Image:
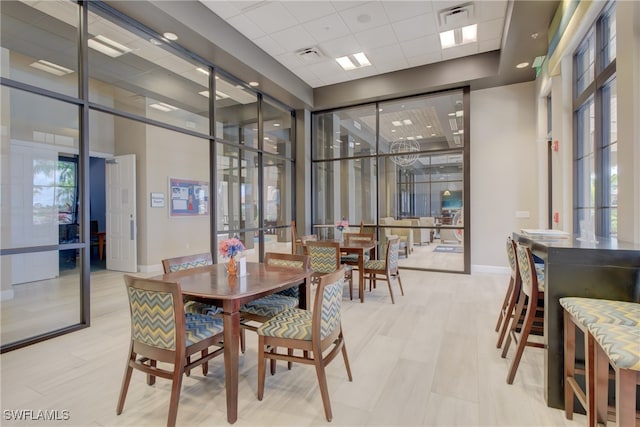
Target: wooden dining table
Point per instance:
(213, 285)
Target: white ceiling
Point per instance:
(394, 35)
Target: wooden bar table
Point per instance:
(605, 269)
(213, 285)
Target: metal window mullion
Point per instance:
(260, 224)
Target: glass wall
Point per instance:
(397, 166)
(150, 100)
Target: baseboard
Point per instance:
(493, 269)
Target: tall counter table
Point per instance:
(607, 269)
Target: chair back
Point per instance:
(393, 254)
(324, 255)
(513, 261)
(527, 271)
(308, 238)
(295, 241)
(180, 263)
(279, 260)
(358, 237)
(157, 318)
(325, 323)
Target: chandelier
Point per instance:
(406, 152)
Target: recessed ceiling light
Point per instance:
(107, 46)
(170, 36)
(429, 126)
(433, 134)
(447, 39)
(407, 122)
(155, 42)
(522, 65)
(254, 84)
(393, 130)
(452, 114)
(351, 62)
(204, 93)
(51, 68)
(459, 36)
(469, 33)
(203, 71)
(396, 123)
(276, 124)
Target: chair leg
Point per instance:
(601, 385)
(400, 283)
(390, 290)
(176, 384)
(125, 387)
(243, 344)
(508, 314)
(151, 379)
(626, 397)
(290, 353)
(569, 364)
(322, 382)
(505, 302)
(205, 365)
(272, 362)
(514, 324)
(261, 366)
(524, 337)
(345, 357)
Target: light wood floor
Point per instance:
(429, 360)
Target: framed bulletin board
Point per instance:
(188, 197)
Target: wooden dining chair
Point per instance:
(161, 331)
(325, 258)
(532, 293)
(263, 309)
(351, 258)
(512, 294)
(312, 332)
(295, 240)
(386, 268)
(188, 262)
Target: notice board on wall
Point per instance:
(188, 197)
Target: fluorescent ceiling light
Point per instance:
(459, 113)
(453, 124)
(419, 136)
(459, 36)
(351, 62)
(276, 124)
(203, 71)
(163, 107)
(522, 65)
(221, 95)
(204, 93)
(362, 59)
(411, 138)
(107, 46)
(469, 34)
(346, 63)
(447, 39)
(51, 68)
(396, 123)
(407, 122)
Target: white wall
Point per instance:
(504, 169)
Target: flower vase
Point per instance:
(232, 266)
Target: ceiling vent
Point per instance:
(309, 54)
(457, 16)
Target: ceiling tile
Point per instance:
(339, 47)
(400, 10)
(269, 45)
(420, 46)
(293, 38)
(385, 54)
(290, 60)
(427, 58)
(387, 67)
(327, 28)
(246, 27)
(271, 17)
(459, 51)
(368, 15)
(415, 27)
(491, 9)
(489, 45)
(489, 30)
(342, 5)
(224, 9)
(305, 11)
(376, 37)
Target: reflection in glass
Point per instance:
(278, 191)
(140, 75)
(236, 113)
(345, 133)
(277, 124)
(24, 29)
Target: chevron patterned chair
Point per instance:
(350, 258)
(512, 294)
(619, 346)
(533, 292)
(161, 331)
(387, 268)
(265, 308)
(581, 313)
(325, 258)
(312, 332)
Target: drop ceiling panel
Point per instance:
(377, 37)
(306, 11)
(415, 27)
(400, 10)
(293, 38)
(328, 27)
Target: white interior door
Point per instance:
(122, 247)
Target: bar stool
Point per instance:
(618, 346)
(511, 297)
(581, 313)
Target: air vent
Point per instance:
(309, 54)
(457, 16)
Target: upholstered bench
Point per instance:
(618, 346)
(582, 312)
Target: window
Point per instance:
(595, 121)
